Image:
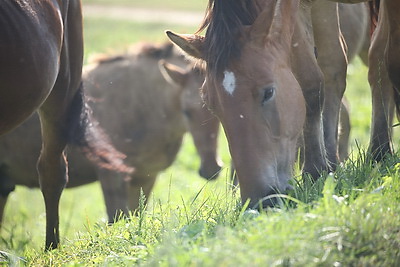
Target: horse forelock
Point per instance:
(224, 21)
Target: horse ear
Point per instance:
(259, 29)
(283, 22)
(192, 44)
(275, 21)
(173, 74)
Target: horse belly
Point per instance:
(29, 56)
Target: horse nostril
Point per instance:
(273, 199)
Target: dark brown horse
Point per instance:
(41, 51)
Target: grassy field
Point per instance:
(350, 218)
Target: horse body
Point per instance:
(34, 56)
(30, 54)
(148, 126)
(41, 55)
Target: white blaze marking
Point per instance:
(229, 82)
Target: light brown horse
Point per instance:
(41, 62)
(149, 123)
(20, 148)
(251, 55)
(202, 125)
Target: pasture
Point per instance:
(350, 218)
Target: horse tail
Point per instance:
(85, 132)
(373, 14)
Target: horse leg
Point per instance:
(311, 81)
(332, 61)
(7, 185)
(382, 109)
(52, 169)
(344, 132)
(382, 96)
(3, 202)
(115, 194)
(138, 185)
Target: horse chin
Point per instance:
(210, 173)
(272, 196)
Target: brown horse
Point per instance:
(258, 55)
(353, 21)
(149, 124)
(19, 149)
(250, 85)
(41, 62)
(202, 125)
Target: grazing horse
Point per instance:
(41, 63)
(154, 138)
(251, 87)
(149, 124)
(264, 83)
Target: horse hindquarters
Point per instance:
(29, 57)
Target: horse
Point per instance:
(151, 118)
(354, 27)
(177, 94)
(258, 86)
(41, 63)
(202, 125)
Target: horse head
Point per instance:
(251, 88)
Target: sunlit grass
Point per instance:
(116, 36)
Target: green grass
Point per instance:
(348, 219)
(113, 36)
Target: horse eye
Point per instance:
(268, 94)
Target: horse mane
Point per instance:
(224, 21)
(159, 51)
(374, 14)
(144, 49)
